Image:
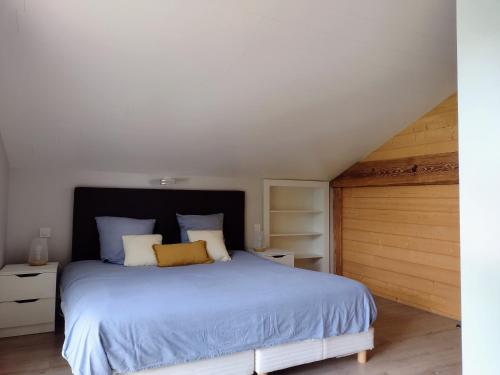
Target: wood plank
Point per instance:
(451, 263)
(417, 170)
(431, 121)
(442, 134)
(437, 118)
(447, 109)
(409, 217)
(411, 282)
(433, 133)
(414, 151)
(337, 229)
(401, 294)
(449, 104)
(411, 230)
(410, 297)
(428, 122)
(450, 205)
(424, 272)
(421, 191)
(426, 245)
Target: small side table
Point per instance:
(285, 257)
(27, 299)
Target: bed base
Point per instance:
(362, 358)
(242, 363)
(298, 353)
(274, 358)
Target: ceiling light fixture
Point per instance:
(167, 181)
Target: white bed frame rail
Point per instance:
(274, 358)
(298, 353)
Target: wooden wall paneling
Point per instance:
(444, 205)
(399, 216)
(410, 297)
(405, 252)
(337, 229)
(439, 233)
(397, 279)
(445, 262)
(422, 191)
(433, 133)
(424, 245)
(422, 271)
(407, 217)
(425, 149)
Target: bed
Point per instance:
(246, 315)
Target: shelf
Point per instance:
(304, 234)
(296, 218)
(296, 211)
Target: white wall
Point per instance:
(4, 185)
(478, 26)
(44, 198)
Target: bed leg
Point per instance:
(362, 356)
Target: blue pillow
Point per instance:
(199, 222)
(111, 229)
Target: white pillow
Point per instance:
(139, 249)
(215, 243)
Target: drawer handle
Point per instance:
(278, 256)
(28, 275)
(27, 300)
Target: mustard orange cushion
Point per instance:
(182, 254)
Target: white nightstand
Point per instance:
(27, 299)
(276, 255)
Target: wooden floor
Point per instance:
(407, 342)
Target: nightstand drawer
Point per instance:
(286, 259)
(27, 286)
(27, 312)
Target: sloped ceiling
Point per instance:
(270, 88)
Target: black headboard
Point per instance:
(158, 204)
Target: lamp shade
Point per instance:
(39, 252)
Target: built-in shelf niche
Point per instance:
(296, 218)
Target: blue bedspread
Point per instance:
(126, 319)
